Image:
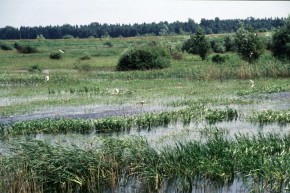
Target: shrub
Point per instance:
(55, 55)
(230, 44)
(25, 49)
(144, 59)
(281, 42)
(34, 68)
(5, 46)
(108, 43)
(217, 46)
(17, 45)
(218, 58)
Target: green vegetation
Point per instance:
(197, 44)
(281, 41)
(218, 58)
(55, 55)
(199, 121)
(249, 44)
(36, 166)
(143, 59)
(5, 46)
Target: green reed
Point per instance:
(270, 116)
(261, 161)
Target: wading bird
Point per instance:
(61, 51)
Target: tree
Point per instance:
(281, 41)
(249, 44)
(197, 44)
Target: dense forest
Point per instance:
(98, 30)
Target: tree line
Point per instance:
(97, 30)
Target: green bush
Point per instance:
(25, 49)
(55, 55)
(34, 68)
(108, 43)
(5, 46)
(217, 46)
(281, 42)
(144, 59)
(218, 58)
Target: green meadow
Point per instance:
(196, 126)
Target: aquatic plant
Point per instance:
(260, 161)
(270, 116)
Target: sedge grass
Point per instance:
(147, 121)
(260, 161)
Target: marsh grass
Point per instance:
(261, 162)
(147, 121)
(270, 116)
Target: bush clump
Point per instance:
(109, 44)
(55, 55)
(34, 68)
(218, 58)
(144, 59)
(281, 41)
(5, 46)
(25, 49)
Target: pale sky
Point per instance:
(18, 13)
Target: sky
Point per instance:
(18, 13)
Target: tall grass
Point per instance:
(260, 161)
(146, 121)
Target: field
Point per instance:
(196, 126)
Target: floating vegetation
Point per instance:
(260, 162)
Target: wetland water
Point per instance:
(159, 137)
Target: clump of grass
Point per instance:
(260, 161)
(34, 68)
(83, 67)
(218, 115)
(146, 121)
(85, 56)
(270, 116)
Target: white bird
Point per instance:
(61, 51)
(252, 83)
(116, 91)
(47, 78)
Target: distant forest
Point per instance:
(98, 30)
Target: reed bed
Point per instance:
(270, 116)
(261, 162)
(196, 112)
